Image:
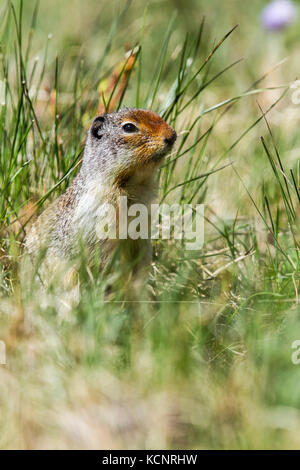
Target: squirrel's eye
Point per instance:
(130, 128)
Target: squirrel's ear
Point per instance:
(97, 126)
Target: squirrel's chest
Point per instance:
(89, 211)
(99, 207)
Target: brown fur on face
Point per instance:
(153, 139)
(113, 152)
(145, 148)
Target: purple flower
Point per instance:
(278, 14)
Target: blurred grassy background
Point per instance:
(208, 363)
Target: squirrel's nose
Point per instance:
(171, 139)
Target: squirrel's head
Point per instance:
(124, 142)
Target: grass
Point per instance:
(207, 362)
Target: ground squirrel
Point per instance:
(122, 151)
